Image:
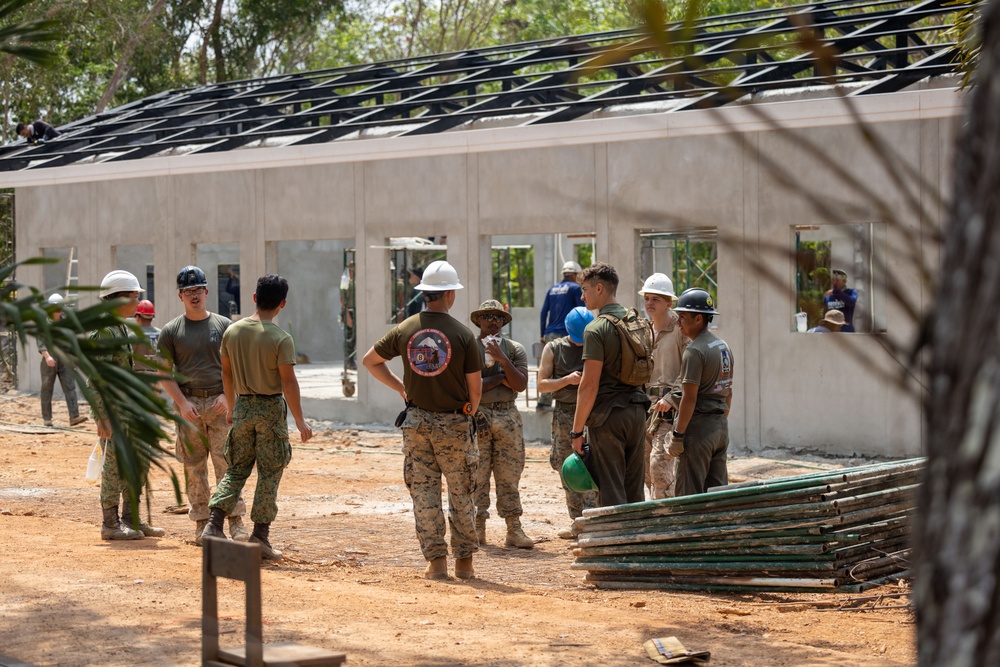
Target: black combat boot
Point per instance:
(260, 536)
(214, 526)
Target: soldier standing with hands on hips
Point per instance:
(442, 387)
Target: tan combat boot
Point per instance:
(437, 568)
(516, 536)
(481, 530)
(237, 532)
(199, 528)
(463, 568)
(113, 529)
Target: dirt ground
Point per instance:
(351, 579)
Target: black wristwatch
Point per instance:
(573, 435)
(678, 436)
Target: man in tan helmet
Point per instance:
(442, 384)
(500, 430)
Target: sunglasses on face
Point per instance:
(493, 318)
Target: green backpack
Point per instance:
(636, 336)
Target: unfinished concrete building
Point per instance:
(510, 160)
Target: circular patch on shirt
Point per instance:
(428, 352)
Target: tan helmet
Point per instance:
(119, 281)
(658, 283)
(439, 276)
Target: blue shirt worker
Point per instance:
(841, 297)
(258, 375)
(561, 298)
(442, 385)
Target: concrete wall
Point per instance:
(612, 178)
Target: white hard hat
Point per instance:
(658, 283)
(56, 298)
(439, 276)
(571, 267)
(119, 281)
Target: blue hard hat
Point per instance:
(576, 322)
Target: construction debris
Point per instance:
(845, 530)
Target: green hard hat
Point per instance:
(575, 475)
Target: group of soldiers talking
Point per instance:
(234, 384)
(461, 421)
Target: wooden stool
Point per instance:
(241, 561)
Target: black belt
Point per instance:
(500, 405)
(201, 393)
(657, 392)
(563, 405)
(258, 395)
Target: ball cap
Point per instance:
(490, 307)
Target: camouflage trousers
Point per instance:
(661, 467)
(196, 442)
(501, 455)
(562, 447)
(259, 436)
(436, 444)
(114, 490)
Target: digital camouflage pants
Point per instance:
(204, 438)
(501, 455)
(436, 444)
(114, 490)
(259, 437)
(562, 447)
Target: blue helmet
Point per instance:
(576, 322)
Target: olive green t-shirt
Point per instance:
(438, 351)
(566, 359)
(518, 356)
(255, 349)
(601, 343)
(708, 363)
(191, 348)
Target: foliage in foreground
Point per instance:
(131, 399)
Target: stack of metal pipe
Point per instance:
(840, 530)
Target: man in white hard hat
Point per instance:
(668, 345)
(118, 285)
(560, 300)
(191, 346)
(442, 387)
(53, 367)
